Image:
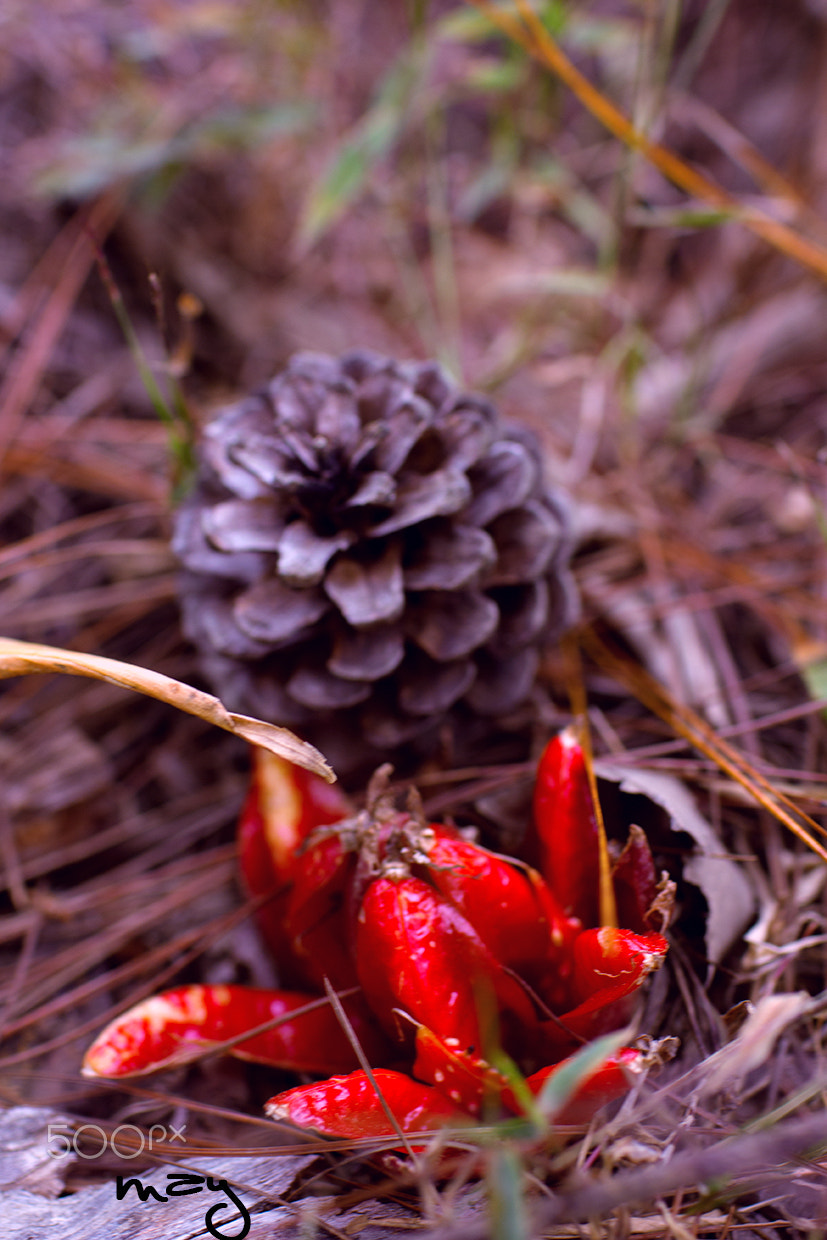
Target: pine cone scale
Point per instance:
(304, 555)
(419, 498)
(370, 653)
(449, 625)
(525, 539)
(430, 690)
(271, 612)
(450, 557)
(368, 593)
(320, 690)
(243, 525)
(504, 479)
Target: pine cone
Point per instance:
(369, 551)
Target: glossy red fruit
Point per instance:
(284, 805)
(615, 960)
(566, 827)
(609, 965)
(261, 879)
(635, 882)
(291, 802)
(471, 1083)
(610, 1081)
(508, 904)
(348, 1106)
(316, 918)
(415, 951)
(466, 1080)
(183, 1024)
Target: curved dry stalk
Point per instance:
(23, 658)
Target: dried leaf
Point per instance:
(23, 658)
(755, 1040)
(52, 769)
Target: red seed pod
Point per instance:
(616, 960)
(259, 877)
(181, 1025)
(566, 826)
(466, 1080)
(317, 916)
(284, 804)
(508, 904)
(348, 1106)
(291, 803)
(609, 966)
(635, 882)
(482, 1091)
(611, 1080)
(415, 951)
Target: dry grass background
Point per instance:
(264, 177)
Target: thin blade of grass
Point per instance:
(371, 139)
(563, 1084)
(505, 1194)
(350, 1034)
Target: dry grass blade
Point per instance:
(23, 658)
(24, 374)
(538, 43)
(697, 732)
(350, 1033)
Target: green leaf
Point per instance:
(374, 135)
(680, 217)
(563, 1084)
(811, 658)
(505, 1195)
(507, 1067)
(91, 163)
(815, 678)
(493, 77)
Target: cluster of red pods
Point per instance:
(468, 978)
